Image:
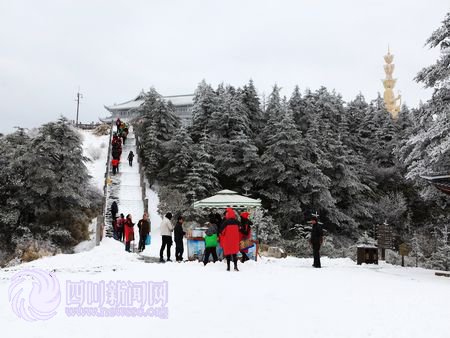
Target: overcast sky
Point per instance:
(113, 49)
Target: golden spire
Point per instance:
(390, 101)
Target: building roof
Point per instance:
(227, 199)
(177, 100)
(180, 100)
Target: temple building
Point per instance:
(129, 109)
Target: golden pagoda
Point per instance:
(390, 101)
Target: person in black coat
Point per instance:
(114, 210)
(179, 234)
(130, 158)
(316, 240)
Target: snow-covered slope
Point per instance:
(268, 298)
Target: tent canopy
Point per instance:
(228, 199)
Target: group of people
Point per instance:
(122, 130)
(233, 234)
(118, 137)
(123, 228)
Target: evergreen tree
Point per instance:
(152, 151)
(180, 158)
(296, 106)
(441, 258)
(201, 180)
(355, 112)
(287, 180)
(205, 104)
(428, 148)
(268, 231)
(230, 118)
(249, 98)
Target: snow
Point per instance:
(95, 148)
(268, 298)
(95, 145)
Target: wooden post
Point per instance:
(99, 227)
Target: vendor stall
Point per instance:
(222, 200)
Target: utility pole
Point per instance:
(79, 96)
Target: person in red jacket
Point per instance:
(129, 232)
(115, 165)
(229, 238)
(120, 224)
(245, 232)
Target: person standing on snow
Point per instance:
(211, 240)
(229, 238)
(144, 230)
(120, 224)
(130, 158)
(179, 234)
(129, 232)
(245, 232)
(316, 240)
(166, 234)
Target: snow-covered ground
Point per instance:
(95, 148)
(268, 298)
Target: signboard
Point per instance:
(404, 249)
(385, 236)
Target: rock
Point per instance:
(276, 252)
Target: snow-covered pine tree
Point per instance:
(297, 106)
(268, 231)
(167, 122)
(441, 258)
(201, 180)
(237, 161)
(286, 179)
(152, 151)
(58, 191)
(14, 149)
(428, 148)
(274, 112)
(252, 104)
(355, 112)
(230, 117)
(416, 250)
(205, 104)
(180, 157)
(150, 100)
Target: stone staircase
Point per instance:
(125, 188)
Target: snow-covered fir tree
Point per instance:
(205, 104)
(180, 158)
(441, 258)
(201, 180)
(267, 229)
